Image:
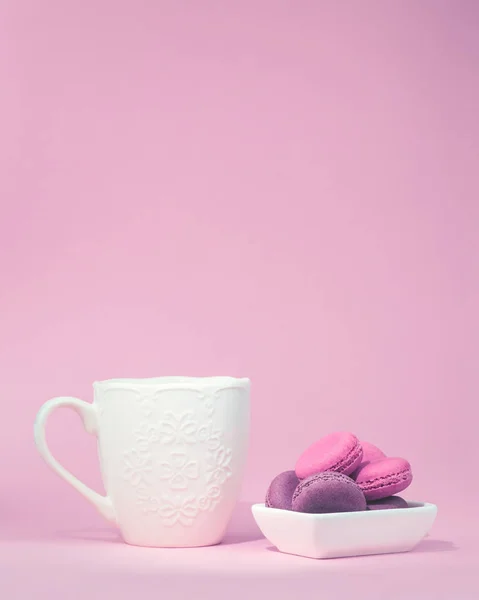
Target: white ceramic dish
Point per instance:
(345, 534)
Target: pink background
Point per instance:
(277, 189)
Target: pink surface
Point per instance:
(60, 560)
(281, 190)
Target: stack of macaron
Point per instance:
(338, 473)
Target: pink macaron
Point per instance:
(371, 453)
(384, 477)
(340, 452)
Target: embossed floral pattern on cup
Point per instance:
(178, 470)
(212, 437)
(210, 500)
(175, 509)
(218, 468)
(147, 403)
(179, 429)
(208, 402)
(137, 467)
(149, 504)
(179, 432)
(146, 434)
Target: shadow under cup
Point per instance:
(172, 454)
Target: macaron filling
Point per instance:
(350, 459)
(385, 481)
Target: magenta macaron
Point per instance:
(340, 452)
(371, 453)
(384, 478)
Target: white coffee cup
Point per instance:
(172, 453)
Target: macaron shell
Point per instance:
(340, 452)
(392, 502)
(385, 477)
(328, 493)
(371, 453)
(281, 489)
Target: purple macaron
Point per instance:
(281, 489)
(392, 502)
(328, 492)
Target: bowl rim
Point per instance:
(414, 508)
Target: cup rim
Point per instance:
(175, 381)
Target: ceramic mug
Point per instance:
(172, 453)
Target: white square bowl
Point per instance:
(337, 535)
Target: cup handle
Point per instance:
(89, 416)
